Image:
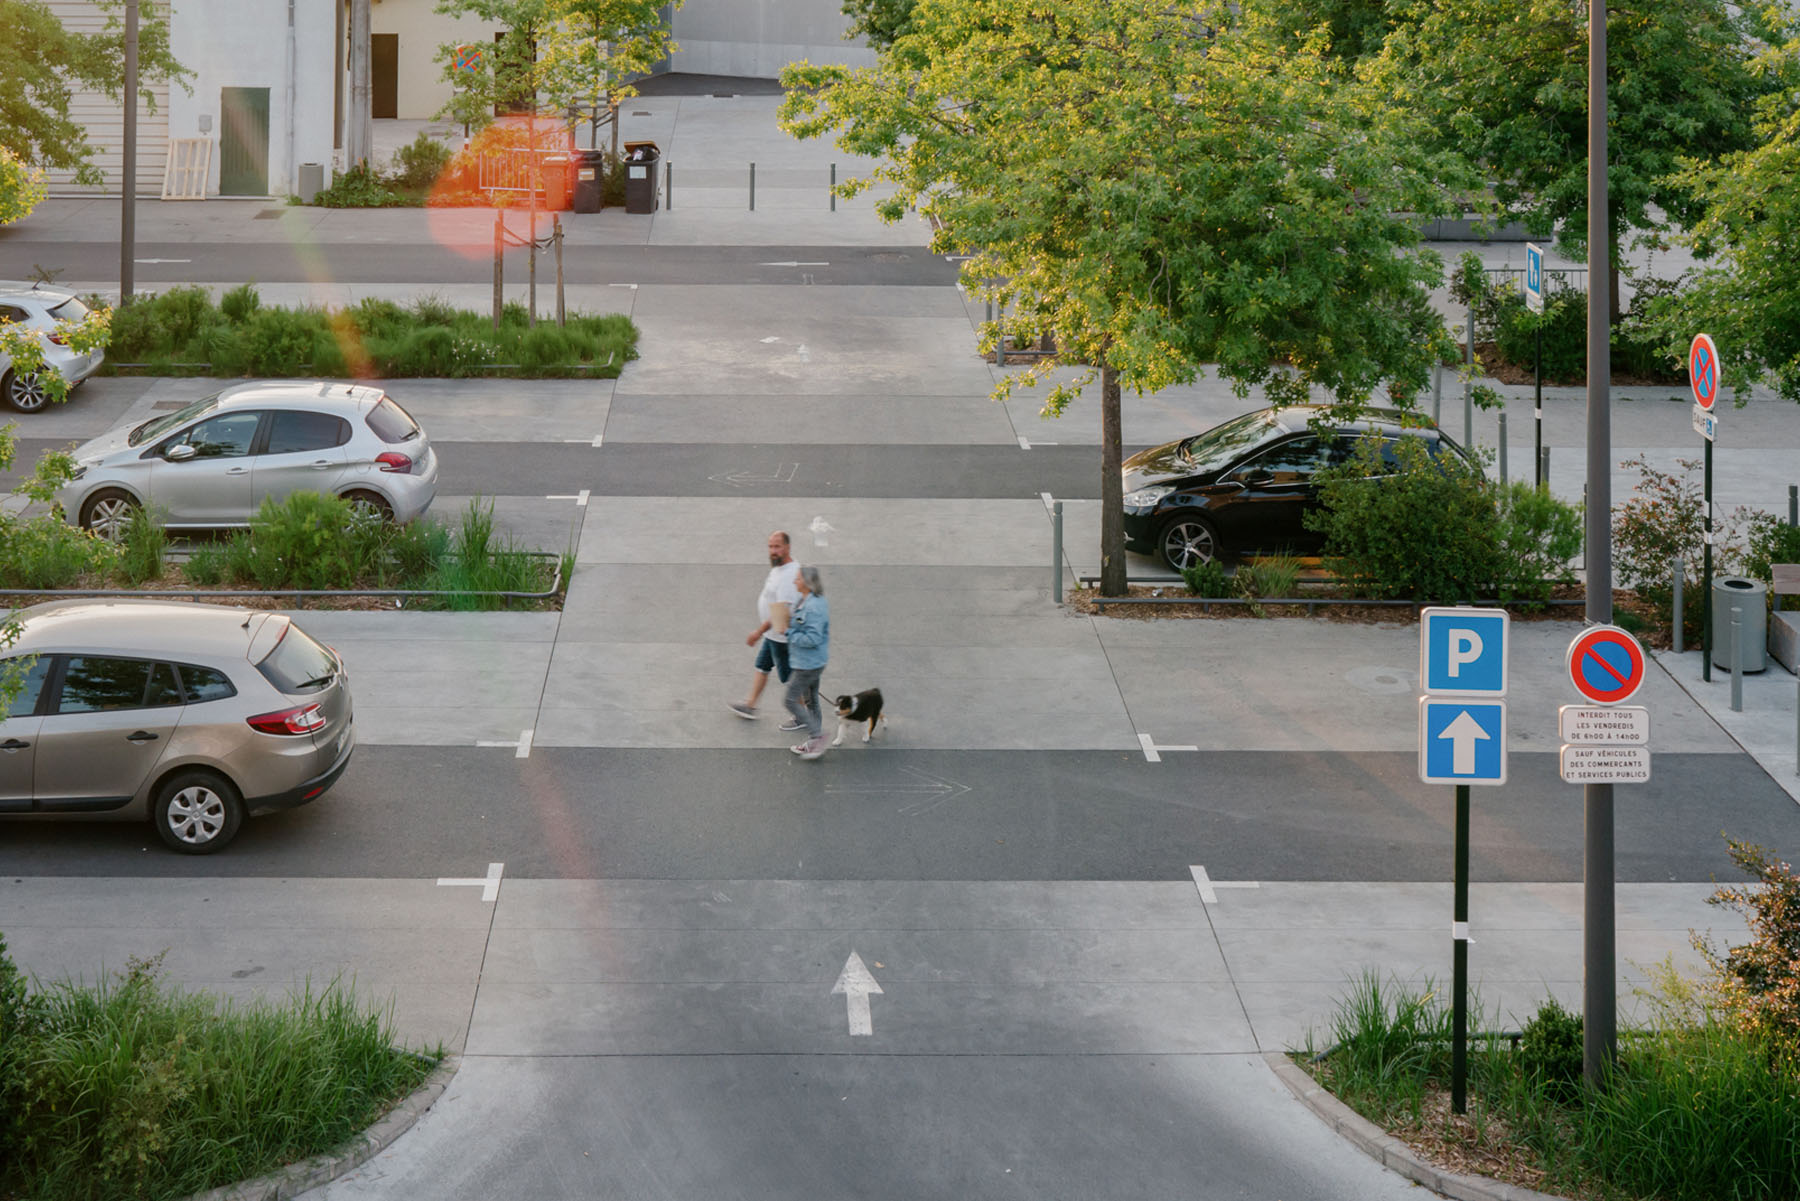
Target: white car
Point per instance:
(212, 464)
(40, 308)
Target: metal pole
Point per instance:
(1000, 342)
(1469, 382)
(834, 187)
(1793, 504)
(1056, 558)
(1706, 632)
(668, 186)
(1537, 381)
(531, 267)
(1437, 393)
(128, 161)
(556, 233)
(753, 187)
(1599, 1027)
(1502, 448)
(1544, 465)
(1680, 614)
(1459, 942)
(1737, 656)
(1797, 728)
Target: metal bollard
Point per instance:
(1544, 466)
(668, 186)
(1737, 658)
(1056, 551)
(1503, 449)
(834, 187)
(1794, 504)
(753, 187)
(1797, 727)
(1680, 616)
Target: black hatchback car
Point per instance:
(1247, 485)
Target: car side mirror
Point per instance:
(1258, 479)
(181, 452)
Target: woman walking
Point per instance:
(809, 646)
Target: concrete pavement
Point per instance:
(660, 1037)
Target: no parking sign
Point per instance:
(1606, 665)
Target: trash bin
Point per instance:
(1752, 599)
(559, 176)
(590, 180)
(312, 181)
(640, 176)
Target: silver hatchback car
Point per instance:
(40, 308)
(212, 464)
(194, 716)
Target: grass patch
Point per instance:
(130, 1088)
(182, 329)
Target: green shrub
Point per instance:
(360, 187)
(278, 342)
(1564, 326)
(1426, 530)
(1665, 517)
(44, 552)
(432, 309)
(1207, 579)
(163, 326)
(206, 566)
(1538, 539)
(142, 550)
(1769, 541)
(1550, 1051)
(328, 359)
(428, 351)
(239, 303)
(1759, 981)
(419, 163)
(377, 318)
(21, 1018)
(310, 540)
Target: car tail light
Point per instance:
(302, 719)
(58, 339)
(393, 460)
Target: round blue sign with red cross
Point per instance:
(1703, 371)
(1606, 665)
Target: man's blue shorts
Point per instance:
(773, 655)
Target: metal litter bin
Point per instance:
(1752, 598)
(640, 176)
(590, 180)
(311, 182)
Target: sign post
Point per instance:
(1534, 300)
(1462, 654)
(1703, 376)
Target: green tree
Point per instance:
(1504, 82)
(1750, 301)
(879, 22)
(21, 188)
(1154, 193)
(46, 63)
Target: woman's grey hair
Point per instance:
(814, 584)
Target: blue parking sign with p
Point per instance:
(1462, 651)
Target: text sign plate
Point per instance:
(1606, 764)
(1591, 725)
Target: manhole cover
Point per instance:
(267, 215)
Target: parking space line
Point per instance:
(489, 884)
(1152, 750)
(521, 746)
(580, 498)
(1206, 885)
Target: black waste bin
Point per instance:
(590, 179)
(640, 176)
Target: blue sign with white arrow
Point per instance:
(1462, 742)
(1534, 278)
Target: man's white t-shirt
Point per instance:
(780, 586)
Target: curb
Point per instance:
(1387, 1150)
(289, 1181)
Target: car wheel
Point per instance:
(197, 812)
(369, 506)
(24, 392)
(1188, 542)
(109, 513)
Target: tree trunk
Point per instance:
(1112, 503)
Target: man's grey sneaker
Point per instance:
(747, 712)
(790, 725)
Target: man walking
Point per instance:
(779, 595)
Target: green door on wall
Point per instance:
(243, 141)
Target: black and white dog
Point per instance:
(863, 707)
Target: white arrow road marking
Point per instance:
(489, 884)
(783, 474)
(1463, 734)
(1151, 749)
(1206, 885)
(932, 790)
(522, 748)
(580, 498)
(855, 983)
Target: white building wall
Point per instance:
(757, 38)
(244, 43)
(422, 91)
(104, 119)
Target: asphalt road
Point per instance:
(425, 263)
(887, 813)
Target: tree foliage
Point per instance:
(1153, 189)
(1505, 83)
(879, 22)
(21, 188)
(45, 64)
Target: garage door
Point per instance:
(105, 120)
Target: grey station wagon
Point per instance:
(193, 716)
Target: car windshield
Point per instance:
(1218, 446)
(70, 310)
(157, 425)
